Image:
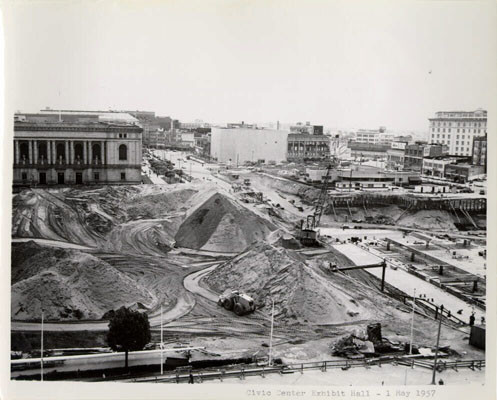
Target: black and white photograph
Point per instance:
(248, 199)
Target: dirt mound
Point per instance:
(68, 284)
(300, 292)
(392, 215)
(220, 224)
(428, 219)
(158, 205)
(284, 239)
(137, 219)
(307, 193)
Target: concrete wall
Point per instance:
(244, 144)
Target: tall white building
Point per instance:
(457, 129)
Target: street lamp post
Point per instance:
(161, 343)
(436, 351)
(41, 355)
(271, 336)
(412, 321)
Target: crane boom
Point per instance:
(313, 220)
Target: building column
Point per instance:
(108, 155)
(16, 151)
(85, 159)
(102, 152)
(35, 152)
(72, 152)
(90, 153)
(49, 152)
(30, 152)
(66, 158)
(54, 152)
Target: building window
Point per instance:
(24, 176)
(96, 176)
(438, 129)
(464, 130)
(457, 142)
(462, 136)
(123, 176)
(123, 152)
(457, 148)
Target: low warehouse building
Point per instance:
(240, 145)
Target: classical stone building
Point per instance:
(76, 148)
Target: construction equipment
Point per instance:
(308, 234)
(239, 303)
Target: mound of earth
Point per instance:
(68, 284)
(429, 219)
(148, 206)
(132, 219)
(284, 239)
(220, 224)
(300, 292)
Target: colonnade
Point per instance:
(53, 155)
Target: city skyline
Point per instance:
(344, 65)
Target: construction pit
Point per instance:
(81, 253)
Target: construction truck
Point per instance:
(239, 303)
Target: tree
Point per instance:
(128, 331)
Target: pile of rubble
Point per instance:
(368, 344)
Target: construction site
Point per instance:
(251, 274)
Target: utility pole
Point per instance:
(350, 183)
(436, 351)
(271, 337)
(161, 343)
(412, 321)
(41, 355)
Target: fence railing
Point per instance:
(181, 376)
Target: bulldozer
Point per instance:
(239, 303)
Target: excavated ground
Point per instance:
(132, 232)
(76, 285)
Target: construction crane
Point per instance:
(308, 233)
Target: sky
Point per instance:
(344, 64)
